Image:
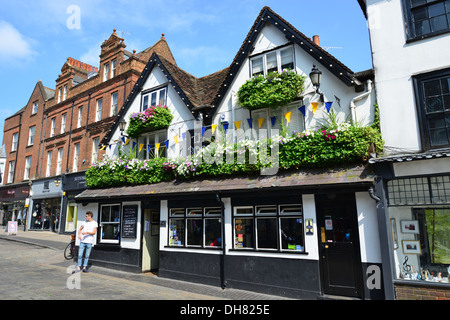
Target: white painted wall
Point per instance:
(395, 62)
(368, 228)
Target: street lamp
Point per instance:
(316, 77)
(122, 125)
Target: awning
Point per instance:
(291, 180)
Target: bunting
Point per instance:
(167, 144)
(302, 109)
(134, 144)
(103, 148)
(149, 148)
(176, 139)
(157, 146)
(273, 119)
(260, 122)
(287, 115)
(250, 122)
(237, 125)
(213, 127)
(225, 126)
(127, 142)
(314, 106)
(328, 106)
(141, 146)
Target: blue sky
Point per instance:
(36, 37)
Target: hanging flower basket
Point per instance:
(275, 90)
(152, 119)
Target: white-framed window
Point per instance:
(31, 133)
(76, 154)
(154, 98)
(35, 107)
(110, 223)
(52, 127)
(12, 166)
(276, 60)
(65, 92)
(106, 72)
(80, 117)
(114, 100)
(113, 68)
(60, 159)
(199, 227)
(26, 175)
(269, 227)
(98, 112)
(15, 140)
(59, 94)
(49, 163)
(153, 145)
(63, 122)
(95, 143)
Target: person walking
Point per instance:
(86, 235)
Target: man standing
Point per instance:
(86, 235)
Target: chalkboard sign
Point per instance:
(129, 221)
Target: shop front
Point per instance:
(14, 203)
(417, 195)
(45, 205)
(73, 184)
(302, 235)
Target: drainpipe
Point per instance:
(360, 97)
(224, 250)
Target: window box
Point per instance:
(151, 119)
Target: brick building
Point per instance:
(55, 138)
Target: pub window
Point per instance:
(269, 227)
(427, 17)
(277, 60)
(195, 227)
(433, 101)
(110, 223)
(154, 98)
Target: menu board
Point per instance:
(129, 221)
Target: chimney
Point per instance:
(316, 40)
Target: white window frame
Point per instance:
(114, 103)
(98, 109)
(63, 122)
(65, 92)
(113, 68)
(35, 107)
(80, 117)
(15, 140)
(11, 168)
(59, 94)
(102, 223)
(153, 98)
(26, 175)
(95, 149)
(60, 159)
(155, 137)
(31, 134)
(49, 163)
(106, 71)
(265, 64)
(52, 127)
(76, 154)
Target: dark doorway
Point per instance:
(340, 260)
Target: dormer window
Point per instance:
(276, 60)
(35, 107)
(154, 98)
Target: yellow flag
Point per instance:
(127, 142)
(287, 115)
(314, 106)
(157, 146)
(103, 148)
(140, 147)
(237, 124)
(260, 122)
(213, 127)
(176, 139)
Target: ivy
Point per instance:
(275, 90)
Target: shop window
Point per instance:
(269, 227)
(110, 223)
(195, 227)
(422, 243)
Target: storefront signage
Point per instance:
(309, 227)
(12, 227)
(129, 225)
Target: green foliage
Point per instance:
(275, 90)
(151, 119)
(336, 144)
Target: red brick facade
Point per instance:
(79, 86)
(421, 292)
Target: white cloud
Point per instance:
(14, 47)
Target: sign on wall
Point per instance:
(129, 224)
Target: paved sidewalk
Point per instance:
(58, 242)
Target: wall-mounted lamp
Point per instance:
(122, 125)
(316, 77)
(57, 182)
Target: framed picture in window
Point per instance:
(411, 247)
(409, 226)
